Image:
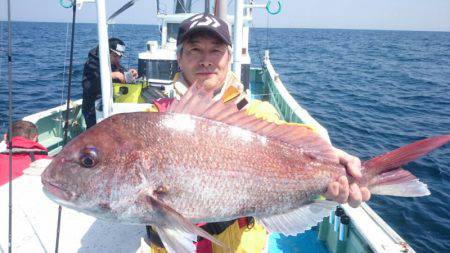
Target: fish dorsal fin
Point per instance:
(200, 102)
(298, 220)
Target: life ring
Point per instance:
(273, 12)
(66, 4)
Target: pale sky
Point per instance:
(419, 15)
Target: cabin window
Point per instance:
(158, 69)
(172, 32)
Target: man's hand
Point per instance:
(340, 191)
(134, 73)
(119, 76)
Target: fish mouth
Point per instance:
(57, 191)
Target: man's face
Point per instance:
(114, 58)
(204, 60)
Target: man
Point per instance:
(204, 58)
(25, 150)
(91, 77)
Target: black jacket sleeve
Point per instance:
(91, 77)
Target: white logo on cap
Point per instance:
(120, 48)
(198, 16)
(210, 21)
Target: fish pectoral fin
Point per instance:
(176, 240)
(298, 220)
(178, 233)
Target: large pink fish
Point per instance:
(207, 161)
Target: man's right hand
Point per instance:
(118, 76)
(134, 73)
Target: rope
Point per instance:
(269, 11)
(66, 123)
(10, 112)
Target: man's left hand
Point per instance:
(340, 191)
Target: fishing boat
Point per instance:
(35, 217)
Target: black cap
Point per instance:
(207, 22)
(117, 46)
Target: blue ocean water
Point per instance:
(373, 90)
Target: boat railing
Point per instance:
(375, 231)
(283, 101)
(50, 125)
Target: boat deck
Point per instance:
(35, 219)
(306, 242)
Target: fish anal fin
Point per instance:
(298, 220)
(177, 232)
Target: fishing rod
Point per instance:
(10, 112)
(207, 8)
(66, 122)
(120, 10)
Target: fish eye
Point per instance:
(88, 157)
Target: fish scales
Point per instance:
(212, 171)
(238, 161)
(209, 171)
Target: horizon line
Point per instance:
(259, 27)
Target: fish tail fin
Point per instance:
(386, 177)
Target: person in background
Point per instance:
(204, 57)
(91, 77)
(25, 149)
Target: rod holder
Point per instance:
(337, 219)
(343, 228)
